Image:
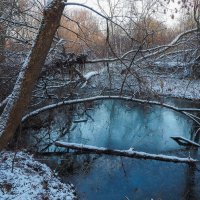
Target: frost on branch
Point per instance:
(126, 153)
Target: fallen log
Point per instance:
(184, 141)
(125, 153)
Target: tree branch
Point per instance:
(124, 98)
(125, 153)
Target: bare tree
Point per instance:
(18, 102)
(134, 68)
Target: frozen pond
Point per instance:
(121, 125)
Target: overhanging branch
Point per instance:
(124, 98)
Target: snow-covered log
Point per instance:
(95, 98)
(131, 153)
(29, 73)
(172, 44)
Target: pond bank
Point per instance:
(22, 177)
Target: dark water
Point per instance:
(122, 178)
(121, 125)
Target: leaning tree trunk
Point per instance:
(20, 97)
(2, 42)
(2, 33)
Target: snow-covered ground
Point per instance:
(23, 178)
(171, 85)
(181, 88)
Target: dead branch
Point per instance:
(155, 51)
(124, 98)
(125, 153)
(184, 141)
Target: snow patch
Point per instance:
(21, 177)
(90, 74)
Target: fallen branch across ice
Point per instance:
(125, 153)
(124, 98)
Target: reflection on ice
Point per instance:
(114, 125)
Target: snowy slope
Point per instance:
(21, 177)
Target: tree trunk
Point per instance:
(29, 73)
(2, 42)
(2, 34)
